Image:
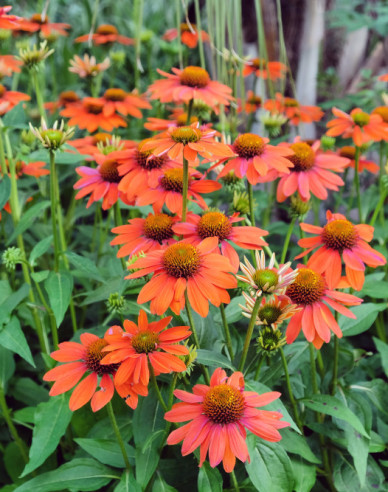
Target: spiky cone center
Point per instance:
(259, 63)
(265, 279)
(172, 180)
(38, 18)
(269, 314)
(303, 158)
(115, 95)
(181, 260)
(93, 356)
(186, 28)
(93, 107)
(182, 120)
(383, 112)
(223, 404)
(289, 102)
(68, 97)
(194, 77)
(54, 137)
(101, 137)
(255, 100)
(214, 224)
(361, 119)
(186, 134)
(142, 158)
(106, 29)
(109, 172)
(145, 342)
(249, 145)
(348, 151)
(339, 234)
(269, 340)
(2, 90)
(158, 227)
(307, 288)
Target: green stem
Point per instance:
(118, 435)
(248, 336)
(189, 111)
(313, 369)
(38, 93)
(156, 387)
(334, 381)
(289, 389)
(195, 335)
(226, 331)
(383, 196)
(259, 364)
(380, 327)
(251, 209)
(53, 199)
(138, 16)
(185, 188)
(233, 479)
(287, 240)
(200, 42)
(178, 22)
(357, 181)
(321, 368)
(12, 429)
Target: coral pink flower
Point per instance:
(93, 144)
(149, 234)
(142, 344)
(88, 66)
(361, 127)
(38, 23)
(105, 33)
(311, 172)
(65, 98)
(293, 110)
(11, 22)
(182, 267)
(9, 64)
(190, 83)
(310, 293)
(124, 103)
(340, 238)
(189, 35)
(350, 152)
(82, 358)
(219, 414)
(256, 159)
(252, 103)
(217, 224)
(271, 70)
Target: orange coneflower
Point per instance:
(189, 35)
(12, 98)
(310, 293)
(177, 118)
(8, 65)
(106, 33)
(190, 83)
(88, 66)
(256, 159)
(188, 142)
(65, 98)
(272, 70)
(217, 224)
(101, 143)
(11, 22)
(36, 169)
(39, 23)
(124, 103)
(149, 234)
(101, 182)
(169, 190)
(81, 358)
(219, 414)
(312, 172)
(383, 77)
(349, 152)
(294, 111)
(182, 266)
(252, 103)
(340, 238)
(89, 114)
(145, 343)
(360, 126)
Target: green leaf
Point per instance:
(5, 191)
(297, 444)
(7, 366)
(12, 337)
(304, 474)
(51, 421)
(79, 474)
(59, 286)
(40, 249)
(16, 118)
(40, 276)
(85, 267)
(232, 310)
(13, 300)
(383, 351)
(106, 451)
(28, 218)
(128, 483)
(29, 392)
(374, 286)
(366, 315)
(330, 405)
(160, 485)
(346, 479)
(209, 479)
(26, 415)
(13, 460)
(270, 469)
(60, 157)
(213, 359)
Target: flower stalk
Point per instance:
(116, 430)
(248, 336)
